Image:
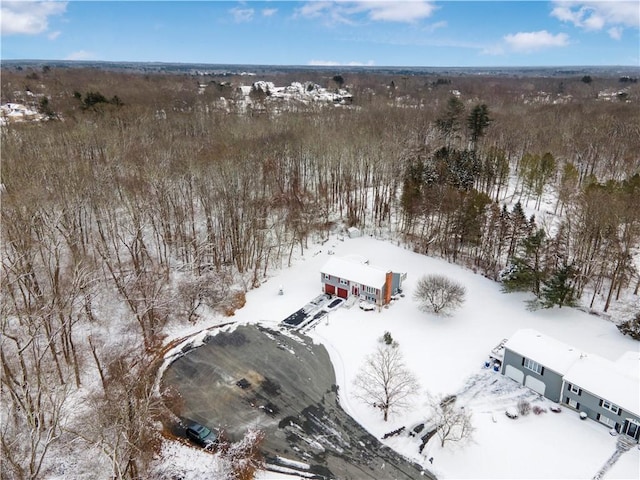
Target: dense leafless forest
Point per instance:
(145, 199)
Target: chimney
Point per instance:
(387, 287)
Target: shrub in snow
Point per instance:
(631, 327)
(244, 457)
(511, 412)
(211, 289)
(387, 339)
(236, 301)
(538, 410)
(524, 407)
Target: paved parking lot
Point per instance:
(285, 385)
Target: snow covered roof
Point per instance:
(617, 382)
(547, 351)
(355, 272)
(630, 361)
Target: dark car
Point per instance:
(201, 435)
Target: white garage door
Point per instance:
(535, 384)
(514, 373)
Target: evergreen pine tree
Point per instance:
(559, 289)
(477, 122)
(527, 271)
(631, 327)
(449, 123)
(412, 188)
(519, 227)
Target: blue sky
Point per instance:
(375, 33)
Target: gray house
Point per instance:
(538, 362)
(606, 391)
(345, 277)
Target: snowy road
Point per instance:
(291, 396)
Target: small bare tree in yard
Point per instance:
(209, 289)
(244, 457)
(453, 423)
(439, 294)
(384, 381)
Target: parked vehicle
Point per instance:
(367, 306)
(201, 435)
(335, 303)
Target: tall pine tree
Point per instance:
(477, 122)
(559, 289)
(528, 270)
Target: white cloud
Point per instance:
(564, 13)
(598, 15)
(396, 11)
(532, 41)
(81, 55)
(329, 12)
(28, 18)
(54, 35)
(331, 63)
(314, 9)
(496, 49)
(615, 33)
(242, 14)
(435, 26)
(404, 11)
(269, 12)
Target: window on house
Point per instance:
(533, 366)
(610, 406)
(607, 421)
(572, 403)
(575, 389)
(343, 282)
(327, 276)
(370, 290)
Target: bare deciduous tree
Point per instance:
(453, 423)
(243, 457)
(384, 381)
(439, 294)
(120, 420)
(209, 289)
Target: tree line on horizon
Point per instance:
(122, 218)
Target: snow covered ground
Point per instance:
(447, 354)
(17, 112)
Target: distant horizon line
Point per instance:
(315, 67)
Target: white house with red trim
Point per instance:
(347, 277)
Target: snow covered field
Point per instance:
(447, 354)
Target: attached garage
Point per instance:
(330, 289)
(343, 293)
(535, 384)
(513, 373)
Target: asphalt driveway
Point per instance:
(285, 385)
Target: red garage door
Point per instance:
(331, 289)
(343, 293)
